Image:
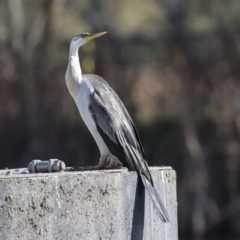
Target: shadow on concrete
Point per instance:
(138, 212)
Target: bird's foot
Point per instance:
(112, 162)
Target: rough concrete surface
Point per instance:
(91, 205)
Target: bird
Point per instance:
(108, 122)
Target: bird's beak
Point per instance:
(90, 37)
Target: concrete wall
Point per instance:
(89, 205)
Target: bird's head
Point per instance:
(82, 38)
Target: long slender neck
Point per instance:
(73, 51)
(74, 68)
(73, 75)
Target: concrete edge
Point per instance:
(23, 172)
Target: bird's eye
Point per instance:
(79, 36)
(84, 34)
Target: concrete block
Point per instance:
(90, 205)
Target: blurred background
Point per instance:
(176, 66)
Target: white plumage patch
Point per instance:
(82, 99)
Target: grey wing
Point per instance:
(108, 100)
(110, 116)
(113, 119)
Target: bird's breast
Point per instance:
(73, 77)
(82, 100)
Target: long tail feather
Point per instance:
(157, 202)
(143, 170)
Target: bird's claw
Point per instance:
(112, 162)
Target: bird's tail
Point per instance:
(157, 202)
(142, 167)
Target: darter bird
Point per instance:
(108, 121)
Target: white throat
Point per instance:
(73, 75)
